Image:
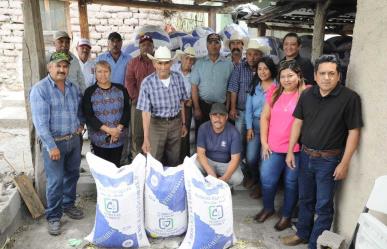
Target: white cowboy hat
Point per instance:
(258, 45)
(188, 51)
(162, 54)
(236, 37)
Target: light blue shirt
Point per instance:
(55, 113)
(254, 106)
(118, 67)
(212, 78)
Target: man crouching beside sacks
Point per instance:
(219, 147)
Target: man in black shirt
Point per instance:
(328, 119)
(291, 45)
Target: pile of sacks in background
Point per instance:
(180, 40)
(145, 199)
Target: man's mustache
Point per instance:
(236, 50)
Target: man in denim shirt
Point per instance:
(55, 103)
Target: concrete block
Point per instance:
(102, 42)
(4, 32)
(113, 9)
(15, 4)
(134, 10)
(331, 240)
(116, 21)
(12, 39)
(103, 21)
(18, 33)
(6, 45)
(155, 17)
(4, 4)
(131, 22)
(74, 20)
(96, 49)
(94, 21)
(75, 28)
(14, 26)
(19, 46)
(4, 18)
(9, 206)
(101, 28)
(103, 15)
(125, 29)
(123, 15)
(11, 53)
(15, 12)
(95, 35)
(11, 65)
(93, 7)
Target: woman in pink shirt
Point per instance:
(276, 123)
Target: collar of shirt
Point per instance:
(220, 58)
(335, 92)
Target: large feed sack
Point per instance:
(131, 50)
(159, 36)
(165, 200)
(119, 216)
(175, 38)
(202, 31)
(210, 215)
(199, 44)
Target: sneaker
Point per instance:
(54, 227)
(74, 213)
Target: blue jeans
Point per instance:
(271, 170)
(253, 152)
(62, 176)
(240, 124)
(316, 190)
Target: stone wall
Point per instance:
(11, 37)
(106, 19)
(102, 20)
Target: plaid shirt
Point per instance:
(159, 100)
(240, 81)
(54, 113)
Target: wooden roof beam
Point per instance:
(152, 5)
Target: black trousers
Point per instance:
(110, 154)
(205, 108)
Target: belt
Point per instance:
(321, 153)
(65, 137)
(166, 119)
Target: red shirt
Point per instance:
(136, 70)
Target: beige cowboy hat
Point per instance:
(236, 37)
(258, 45)
(188, 51)
(162, 54)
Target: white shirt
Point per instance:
(166, 82)
(88, 69)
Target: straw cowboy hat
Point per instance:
(162, 54)
(236, 37)
(258, 45)
(188, 51)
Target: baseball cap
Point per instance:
(114, 35)
(218, 108)
(84, 42)
(61, 34)
(145, 38)
(58, 57)
(214, 37)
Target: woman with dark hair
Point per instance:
(262, 81)
(107, 112)
(276, 123)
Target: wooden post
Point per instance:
(83, 20)
(262, 29)
(212, 19)
(319, 29)
(34, 69)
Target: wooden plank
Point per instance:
(83, 19)
(152, 5)
(319, 29)
(31, 199)
(212, 20)
(34, 69)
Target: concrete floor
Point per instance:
(249, 233)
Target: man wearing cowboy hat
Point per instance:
(136, 71)
(239, 85)
(187, 60)
(161, 100)
(209, 80)
(236, 44)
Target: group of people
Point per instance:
(255, 122)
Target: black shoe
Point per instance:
(74, 213)
(54, 227)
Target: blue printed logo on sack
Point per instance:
(111, 205)
(216, 212)
(166, 223)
